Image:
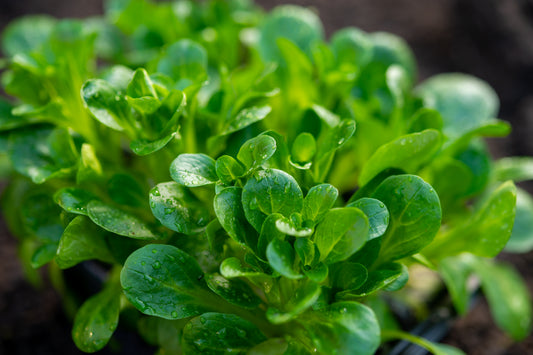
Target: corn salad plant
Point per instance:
(251, 186)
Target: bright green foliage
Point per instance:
(259, 186)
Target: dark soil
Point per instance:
(492, 39)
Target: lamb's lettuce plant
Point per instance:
(251, 186)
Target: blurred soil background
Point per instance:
(491, 39)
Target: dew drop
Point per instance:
(154, 251)
(174, 314)
(169, 210)
(203, 320)
(156, 265)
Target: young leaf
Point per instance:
(234, 291)
(119, 222)
(380, 278)
(270, 191)
(105, 104)
(176, 208)
(97, 319)
(304, 296)
(228, 169)
(163, 281)
(245, 118)
(193, 170)
(256, 151)
(230, 213)
(415, 215)
(318, 201)
(82, 240)
(281, 256)
(344, 328)
(303, 149)
(408, 152)
(218, 334)
(74, 200)
(352, 47)
(342, 232)
(377, 214)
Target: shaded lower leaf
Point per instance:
(217, 333)
(234, 291)
(176, 208)
(344, 328)
(97, 319)
(82, 240)
(163, 281)
(119, 222)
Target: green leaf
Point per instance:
(293, 226)
(464, 102)
(521, 240)
(415, 215)
(269, 231)
(304, 296)
(119, 222)
(217, 333)
(234, 291)
(345, 328)
(342, 232)
(303, 149)
(296, 24)
(281, 256)
(508, 296)
(486, 232)
(383, 277)
(44, 254)
(176, 208)
(97, 319)
(40, 217)
(514, 168)
(455, 271)
(42, 153)
(82, 240)
(230, 213)
(348, 276)
(352, 47)
(245, 118)
(256, 151)
(145, 147)
(435, 348)
(193, 170)
(26, 34)
(141, 85)
(106, 105)
(228, 169)
(124, 189)
(318, 201)
(270, 191)
(425, 118)
(232, 267)
(74, 200)
(377, 214)
(89, 167)
(389, 49)
(163, 281)
(184, 61)
(408, 152)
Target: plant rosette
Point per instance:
(251, 186)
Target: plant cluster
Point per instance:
(251, 186)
